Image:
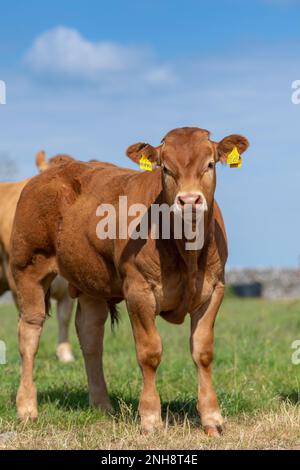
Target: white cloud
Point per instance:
(64, 53)
(160, 74)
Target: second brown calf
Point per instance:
(9, 196)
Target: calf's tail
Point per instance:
(114, 314)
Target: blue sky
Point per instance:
(90, 78)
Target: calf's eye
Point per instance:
(211, 165)
(167, 171)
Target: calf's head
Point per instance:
(188, 157)
(43, 164)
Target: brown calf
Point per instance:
(9, 196)
(155, 277)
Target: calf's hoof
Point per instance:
(27, 413)
(104, 406)
(64, 353)
(214, 431)
(213, 424)
(151, 424)
(27, 408)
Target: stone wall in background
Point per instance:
(276, 283)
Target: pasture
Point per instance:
(257, 384)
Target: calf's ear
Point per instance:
(228, 143)
(136, 151)
(41, 161)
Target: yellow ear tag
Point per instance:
(234, 159)
(145, 163)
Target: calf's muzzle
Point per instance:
(194, 200)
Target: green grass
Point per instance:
(253, 374)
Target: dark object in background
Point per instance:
(253, 289)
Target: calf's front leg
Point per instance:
(141, 307)
(202, 344)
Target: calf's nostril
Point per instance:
(181, 201)
(198, 200)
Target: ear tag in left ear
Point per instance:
(234, 159)
(145, 163)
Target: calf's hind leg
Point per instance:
(64, 315)
(31, 299)
(91, 316)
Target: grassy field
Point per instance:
(257, 384)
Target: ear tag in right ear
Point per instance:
(234, 159)
(236, 165)
(145, 163)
